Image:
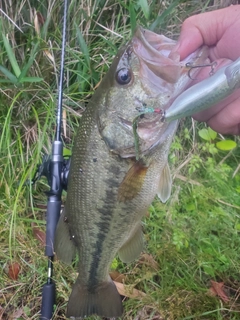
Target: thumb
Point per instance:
(206, 28)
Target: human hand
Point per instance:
(220, 31)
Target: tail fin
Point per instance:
(103, 301)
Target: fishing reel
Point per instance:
(45, 170)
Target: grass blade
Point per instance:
(133, 20)
(29, 63)
(9, 75)
(31, 79)
(11, 57)
(83, 46)
(145, 8)
(166, 12)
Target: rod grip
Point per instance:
(53, 211)
(48, 301)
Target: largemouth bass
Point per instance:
(109, 191)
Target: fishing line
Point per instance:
(61, 78)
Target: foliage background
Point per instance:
(192, 240)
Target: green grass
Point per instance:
(193, 239)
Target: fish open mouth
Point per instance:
(156, 52)
(161, 68)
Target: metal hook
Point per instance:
(191, 66)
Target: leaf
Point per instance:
(226, 145)
(5, 81)
(28, 65)
(16, 314)
(203, 133)
(39, 234)
(207, 134)
(67, 152)
(13, 270)
(208, 269)
(49, 55)
(129, 291)
(212, 133)
(132, 17)
(148, 260)
(83, 46)
(8, 74)
(64, 122)
(38, 22)
(190, 206)
(145, 8)
(165, 13)
(11, 56)
(30, 79)
(114, 264)
(117, 276)
(217, 289)
(237, 226)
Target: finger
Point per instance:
(203, 74)
(207, 114)
(227, 120)
(223, 117)
(207, 28)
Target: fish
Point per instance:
(206, 93)
(109, 188)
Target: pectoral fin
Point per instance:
(63, 245)
(132, 182)
(132, 247)
(165, 184)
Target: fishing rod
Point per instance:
(56, 170)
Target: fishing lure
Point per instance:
(206, 93)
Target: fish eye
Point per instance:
(123, 76)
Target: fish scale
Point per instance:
(110, 188)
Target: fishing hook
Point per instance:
(192, 66)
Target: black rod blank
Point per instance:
(55, 193)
